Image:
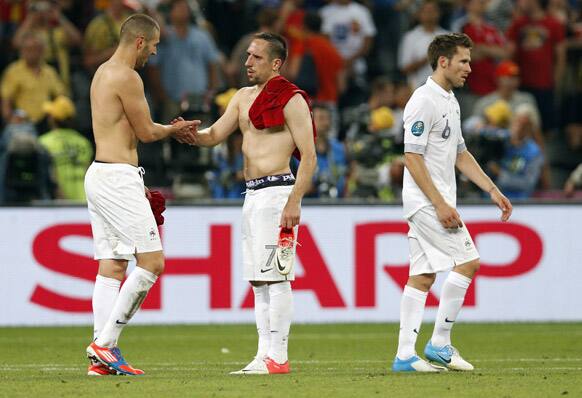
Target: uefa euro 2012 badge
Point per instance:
(417, 128)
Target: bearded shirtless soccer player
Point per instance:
(121, 218)
(273, 196)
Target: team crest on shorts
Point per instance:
(468, 244)
(153, 234)
(417, 128)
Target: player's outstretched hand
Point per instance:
(187, 130)
(502, 202)
(448, 216)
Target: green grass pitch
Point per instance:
(348, 360)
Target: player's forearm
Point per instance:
(304, 177)
(419, 172)
(467, 164)
(206, 137)
(157, 132)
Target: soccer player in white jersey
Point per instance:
(438, 238)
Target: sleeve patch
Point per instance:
(417, 128)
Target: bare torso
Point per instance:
(266, 152)
(115, 138)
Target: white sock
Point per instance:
(262, 318)
(280, 314)
(104, 295)
(452, 297)
(411, 311)
(131, 296)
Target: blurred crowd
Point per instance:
(359, 61)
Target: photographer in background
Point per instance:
(518, 172)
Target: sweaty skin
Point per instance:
(120, 112)
(268, 152)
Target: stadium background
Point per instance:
(352, 262)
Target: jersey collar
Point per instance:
(435, 86)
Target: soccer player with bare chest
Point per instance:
(122, 221)
(274, 118)
(438, 239)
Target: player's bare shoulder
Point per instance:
(115, 78)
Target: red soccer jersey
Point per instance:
(535, 42)
(482, 78)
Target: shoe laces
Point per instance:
(117, 352)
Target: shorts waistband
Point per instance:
(271, 181)
(139, 169)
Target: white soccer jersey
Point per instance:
(432, 128)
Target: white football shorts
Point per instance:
(434, 248)
(260, 232)
(121, 217)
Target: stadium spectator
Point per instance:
(356, 120)
(16, 124)
(227, 179)
(402, 94)
(12, 13)
(572, 84)
(290, 22)
(29, 82)
(315, 65)
(520, 167)
(573, 182)
(70, 151)
(329, 179)
(370, 143)
(500, 13)
(507, 74)
(102, 35)
(412, 57)
(184, 74)
(536, 38)
(58, 34)
(236, 71)
(351, 30)
(388, 17)
(489, 46)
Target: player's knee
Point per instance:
(152, 262)
(158, 267)
(421, 282)
(475, 265)
(469, 269)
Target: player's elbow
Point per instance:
(147, 137)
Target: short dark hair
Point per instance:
(138, 25)
(277, 45)
(446, 46)
(312, 21)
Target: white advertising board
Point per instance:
(351, 266)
